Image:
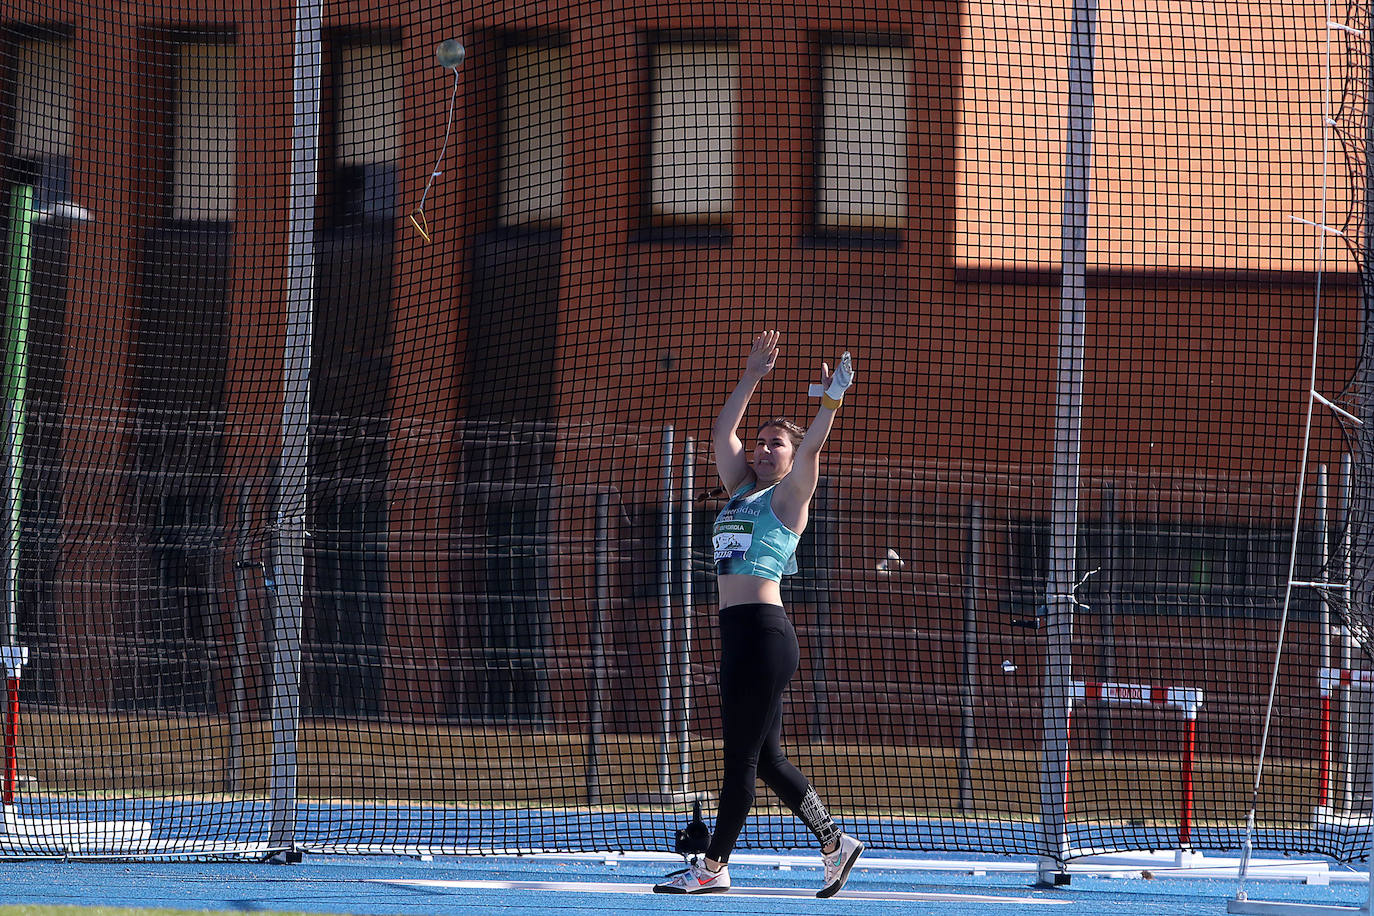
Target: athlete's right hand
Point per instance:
(763, 356)
(838, 382)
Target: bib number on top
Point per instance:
(731, 540)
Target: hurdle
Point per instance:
(1330, 680)
(49, 836)
(1188, 701)
(13, 658)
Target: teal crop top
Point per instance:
(749, 540)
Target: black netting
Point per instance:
(359, 402)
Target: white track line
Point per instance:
(593, 887)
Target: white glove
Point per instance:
(840, 380)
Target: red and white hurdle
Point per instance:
(1187, 700)
(13, 659)
(42, 835)
(1330, 680)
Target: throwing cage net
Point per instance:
(359, 388)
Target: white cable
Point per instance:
(434, 172)
(1247, 846)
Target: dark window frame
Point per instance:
(818, 234)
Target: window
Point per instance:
(367, 133)
(693, 132)
(43, 117)
(861, 168)
(503, 621)
(169, 631)
(178, 372)
(204, 135)
(1165, 568)
(344, 612)
(512, 619)
(533, 101)
(345, 615)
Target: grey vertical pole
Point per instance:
(1324, 615)
(1345, 714)
(665, 617)
(824, 540)
(968, 682)
(1357, 735)
(1107, 614)
(1059, 598)
(1367, 308)
(600, 613)
(1357, 708)
(684, 657)
(238, 689)
(289, 572)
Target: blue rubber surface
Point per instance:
(572, 886)
(182, 824)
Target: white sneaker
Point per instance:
(696, 878)
(838, 864)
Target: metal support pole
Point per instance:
(825, 550)
(684, 660)
(289, 572)
(1059, 598)
(1106, 614)
(1323, 641)
(665, 616)
(1345, 712)
(245, 571)
(16, 389)
(600, 614)
(968, 682)
(1367, 327)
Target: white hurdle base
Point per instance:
(1328, 817)
(42, 834)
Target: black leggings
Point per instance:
(758, 656)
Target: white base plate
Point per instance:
(593, 887)
(1279, 908)
(71, 836)
(1325, 816)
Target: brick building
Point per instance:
(628, 193)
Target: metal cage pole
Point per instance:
(684, 659)
(665, 617)
(968, 676)
(600, 617)
(1367, 318)
(1324, 636)
(244, 574)
(1059, 599)
(16, 389)
(1344, 712)
(288, 577)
